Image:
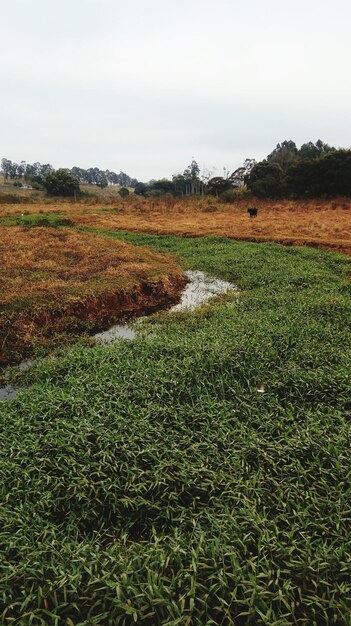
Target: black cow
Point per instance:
(252, 212)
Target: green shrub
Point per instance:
(61, 183)
(123, 192)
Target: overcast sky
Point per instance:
(145, 85)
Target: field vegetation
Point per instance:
(319, 223)
(315, 223)
(13, 193)
(198, 475)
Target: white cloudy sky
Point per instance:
(145, 85)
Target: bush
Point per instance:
(61, 183)
(229, 196)
(123, 192)
(140, 189)
(232, 195)
(218, 185)
(37, 186)
(154, 193)
(163, 185)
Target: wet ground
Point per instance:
(197, 292)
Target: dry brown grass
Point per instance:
(56, 279)
(321, 223)
(50, 263)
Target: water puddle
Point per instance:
(24, 365)
(8, 392)
(201, 288)
(120, 331)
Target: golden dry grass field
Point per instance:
(320, 223)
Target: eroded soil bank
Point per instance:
(57, 283)
(46, 328)
(199, 289)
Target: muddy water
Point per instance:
(24, 365)
(198, 291)
(8, 392)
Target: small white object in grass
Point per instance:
(261, 389)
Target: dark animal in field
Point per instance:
(252, 212)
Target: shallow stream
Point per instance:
(200, 288)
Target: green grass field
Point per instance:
(150, 482)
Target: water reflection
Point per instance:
(200, 288)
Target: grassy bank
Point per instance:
(150, 482)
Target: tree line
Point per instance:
(37, 173)
(314, 170)
(193, 182)
(103, 178)
(187, 183)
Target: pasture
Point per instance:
(324, 224)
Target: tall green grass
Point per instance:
(151, 483)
